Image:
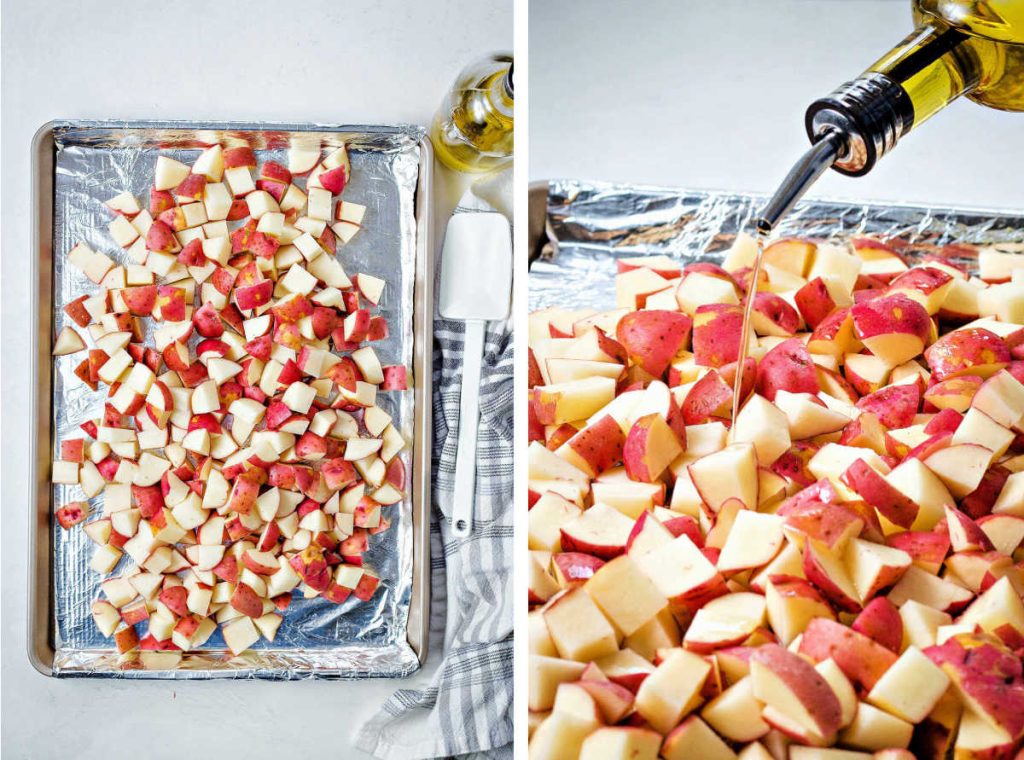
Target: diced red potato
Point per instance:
(883, 457)
(272, 504)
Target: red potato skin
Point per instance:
(861, 659)
(927, 549)
(212, 346)
(73, 450)
(922, 279)
(866, 432)
(707, 400)
(126, 639)
(703, 267)
(876, 491)
(170, 303)
(881, 622)
(958, 352)
(160, 238)
(260, 347)
(338, 473)
(945, 421)
(653, 338)
(76, 311)
(149, 500)
(187, 625)
(367, 586)
(636, 451)
(82, 373)
(622, 267)
(334, 180)
(989, 675)
(175, 598)
(159, 201)
(274, 188)
(600, 445)
(964, 533)
(793, 463)
(237, 157)
(534, 376)
(823, 704)
(814, 302)
(895, 405)
(788, 367)
(207, 321)
(717, 333)
(747, 378)
(929, 446)
(72, 514)
(140, 300)
(778, 311)
(817, 575)
(954, 393)
(575, 568)
(980, 501)
(192, 254)
(831, 326)
(227, 569)
(246, 601)
(888, 314)
(743, 277)
(684, 525)
(254, 296)
(174, 218)
(275, 171)
(294, 309)
(395, 378)
(311, 566)
(827, 522)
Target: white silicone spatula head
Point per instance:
(476, 267)
(476, 286)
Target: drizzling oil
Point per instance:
(811, 165)
(761, 239)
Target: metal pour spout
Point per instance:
(830, 145)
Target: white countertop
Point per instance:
(382, 62)
(712, 95)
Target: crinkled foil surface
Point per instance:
(95, 161)
(590, 225)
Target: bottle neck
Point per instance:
(927, 71)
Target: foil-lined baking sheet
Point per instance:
(590, 225)
(93, 162)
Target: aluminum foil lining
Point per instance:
(96, 160)
(590, 225)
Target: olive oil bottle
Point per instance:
(973, 48)
(472, 130)
(970, 48)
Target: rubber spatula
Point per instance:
(476, 286)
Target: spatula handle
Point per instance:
(469, 420)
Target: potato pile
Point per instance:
(838, 572)
(241, 454)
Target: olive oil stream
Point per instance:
(761, 237)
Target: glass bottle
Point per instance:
(973, 48)
(472, 130)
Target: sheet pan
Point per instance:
(78, 165)
(588, 225)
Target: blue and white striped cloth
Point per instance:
(467, 709)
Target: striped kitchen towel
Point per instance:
(467, 708)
